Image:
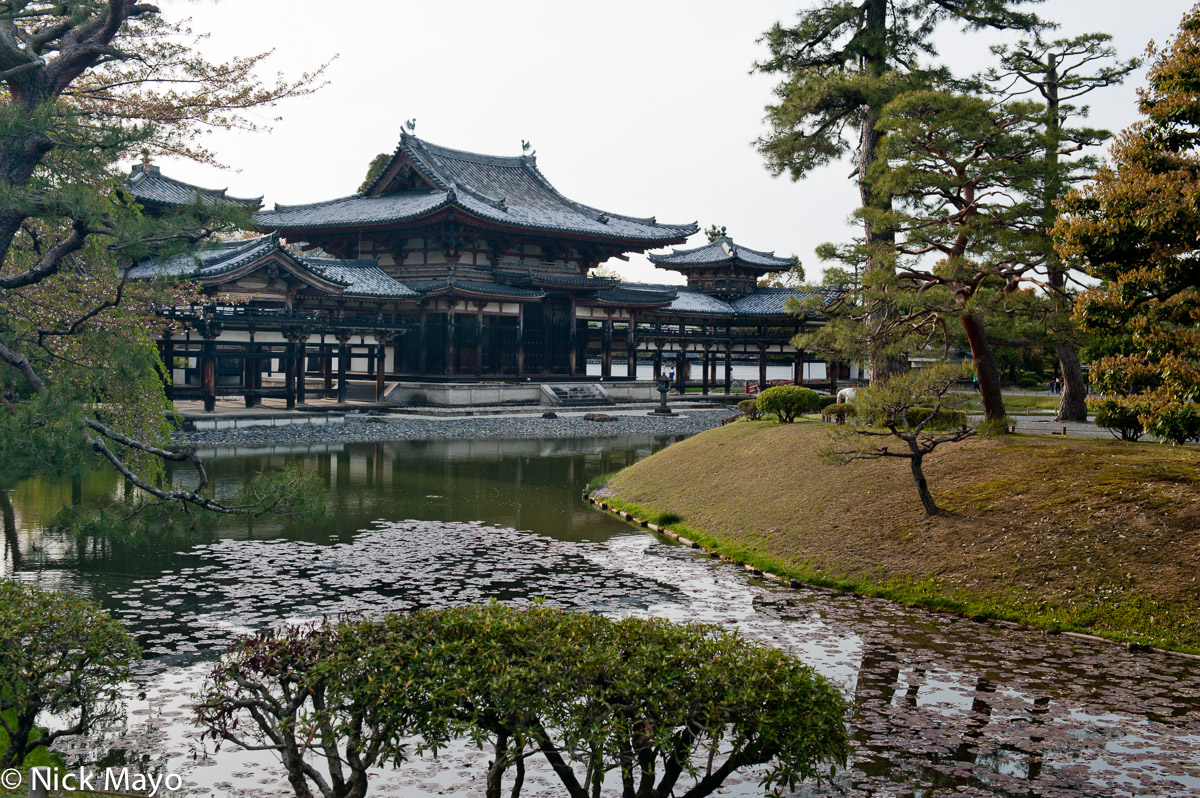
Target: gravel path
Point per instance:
(360, 429)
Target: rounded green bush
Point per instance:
(825, 401)
(1119, 418)
(788, 401)
(748, 408)
(58, 655)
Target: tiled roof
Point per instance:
(720, 252)
(508, 190)
(151, 188)
(565, 280)
(622, 295)
(356, 277)
(361, 278)
(768, 301)
(451, 285)
(211, 261)
(356, 210)
(687, 299)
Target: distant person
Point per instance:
(845, 395)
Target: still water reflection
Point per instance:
(942, 706)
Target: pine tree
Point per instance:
(1060, 72)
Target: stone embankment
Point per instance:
(367, 428)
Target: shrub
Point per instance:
(60, 657)
(1119, 418)
(825, 401)
(943, 419)
(995, 428)
(584, 690)
(839, 413)
(1176, 422)
(749, 408)
(788, 401)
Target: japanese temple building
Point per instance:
(456, 267)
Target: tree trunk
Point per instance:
(1072, 405)
(495, 773)
(922, 486)
(985, 368)
(875, 239)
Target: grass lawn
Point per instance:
(1096, 536)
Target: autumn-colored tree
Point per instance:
(83, 85)
(1136, 229)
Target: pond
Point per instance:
(942, 706)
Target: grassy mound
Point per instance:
(1094, 536)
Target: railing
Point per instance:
(226, 315)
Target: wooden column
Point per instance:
(547, 338)
(451, 344)
(681, 370)
(657, 361)
(343, 365)
(831, 371)
(520, 339)
(704, 375)
(208, 374)
(289, 374)
(479, 339)
(712, 367)
(798, 368)
(327, 364)
(606, 331)
(302, 369)
(762, 367)
(728, 369)
(380, 366)
(631, 348)
(423, 344)
(574, 336)
(250, 365)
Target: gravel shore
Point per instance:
(360, 429)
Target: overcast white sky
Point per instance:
(642, 108)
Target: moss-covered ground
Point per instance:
(1095, 536)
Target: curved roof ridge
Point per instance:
(143, 174)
